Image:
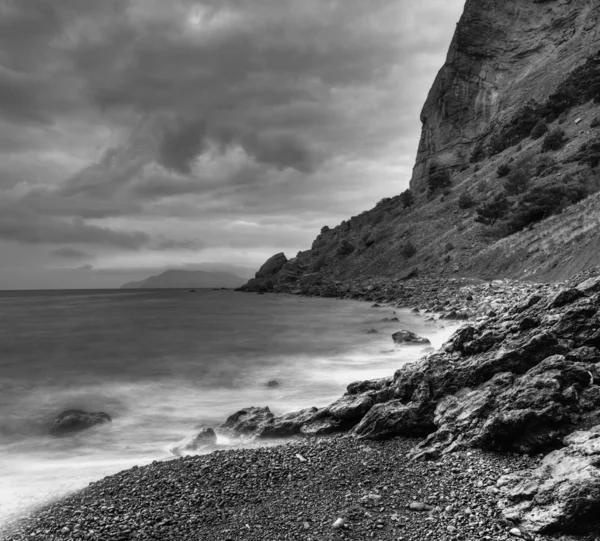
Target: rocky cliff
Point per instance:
(513, 118)
(503, 54)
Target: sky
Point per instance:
(141, 135)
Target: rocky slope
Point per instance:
(519, 380)
(511, 65)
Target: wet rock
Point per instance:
(408, 337)
(286, 425)
(248, 420)
(359, 387)
(394, 418)
(349, 408)
(527, 414)
(71, 421)
(204, 439)
(459, 339)
(563, 493)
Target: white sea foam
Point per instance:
(204, 371)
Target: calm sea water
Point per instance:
(162, 363)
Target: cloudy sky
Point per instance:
(138, 135)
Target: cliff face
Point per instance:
(512, 65)
(503, 54)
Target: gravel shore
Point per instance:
(310, 489)
(297, 490)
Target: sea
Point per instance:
(163, 363)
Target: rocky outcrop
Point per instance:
(510, 65)
(563, 493)
(523, 379)
(72, 421)
(201, 441)
(247, 421)
(519, 381)
(272, 266)
(265, 277)
(409, 337)
(503, 54)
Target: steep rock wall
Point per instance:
(503, 54)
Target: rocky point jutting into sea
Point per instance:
(497, 434)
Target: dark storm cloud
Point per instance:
(221, 82)
(37, 229)
(261, 75)
(70, 253)
(50, 202)
(121, 116)
(171, 244)
(20, 98)
(180, 146)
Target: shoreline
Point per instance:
(296, 490)
(44, 522)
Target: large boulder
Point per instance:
(527, 414)
(286, 425)
(339, 416)
(247, 421)
(203, 440)
(272, 266)
(393, 418)
(563, 493)
(71, 421)
(408, 337)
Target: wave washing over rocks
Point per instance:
(521, 378)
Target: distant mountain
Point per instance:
(187, 278)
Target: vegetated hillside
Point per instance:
(186, 279)
(508, 162)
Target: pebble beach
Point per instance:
(310, 490)
(337, 487)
